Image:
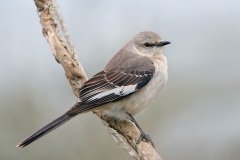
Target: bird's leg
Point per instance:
(143, 136)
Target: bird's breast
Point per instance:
(139, 100)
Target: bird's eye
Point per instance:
(147, 44)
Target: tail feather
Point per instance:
(46, 129)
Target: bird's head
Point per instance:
(148, 43)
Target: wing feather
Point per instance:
(113, 84)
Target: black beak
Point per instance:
(163, 43)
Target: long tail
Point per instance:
(46, 129)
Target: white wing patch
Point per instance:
(121, 91)
(128, 89)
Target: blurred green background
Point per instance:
(195, 117)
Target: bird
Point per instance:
(124, 88)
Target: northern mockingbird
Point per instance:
(131, 79)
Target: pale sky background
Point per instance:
(195, 117)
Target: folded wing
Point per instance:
(113, 84)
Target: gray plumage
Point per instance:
(126, 85)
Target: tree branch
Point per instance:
(125, 133)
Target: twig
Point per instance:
(64, 30)
(125, 133)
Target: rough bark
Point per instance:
(125, 133)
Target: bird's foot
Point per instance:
(143, 136)
(146, 138)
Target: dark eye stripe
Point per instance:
(147, 44)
